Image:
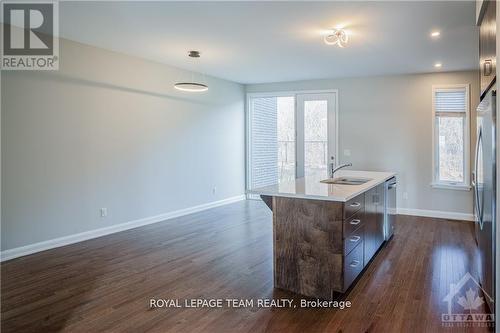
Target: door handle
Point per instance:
(355, 204)
(476, 182)
(355, 222)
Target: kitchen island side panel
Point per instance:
(308, 246)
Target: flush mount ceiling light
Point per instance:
(438, 65)
(337, 37)
(435, 34)
(191, 85)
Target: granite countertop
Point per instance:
(312, 188)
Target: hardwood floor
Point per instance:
(106, 284)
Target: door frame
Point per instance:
(283, 93)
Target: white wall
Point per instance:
(386, 122)
(109, 130)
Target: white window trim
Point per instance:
(465, 186)
(289, 93)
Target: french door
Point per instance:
(316, 134)
(290, 135)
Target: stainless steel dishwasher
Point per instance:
(390, 207)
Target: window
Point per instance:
(451, 136)
(263, 144)
(271, 148)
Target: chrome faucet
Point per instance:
(333, 169)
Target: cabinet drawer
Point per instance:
(354, 205)
(353, 240)
(353, 265)
(353, 223)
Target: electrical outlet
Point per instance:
(104, 212)
(405, 195)
(347, 152)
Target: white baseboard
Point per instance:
(71, 239)
(436, 214)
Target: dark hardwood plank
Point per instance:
(105, 284)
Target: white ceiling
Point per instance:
(254, 42)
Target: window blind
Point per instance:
(264, 142)
(446, 101)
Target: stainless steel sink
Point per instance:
(346, 181)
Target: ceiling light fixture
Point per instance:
(435, 34)
(337, 37)
(438, 65)
(191, 86)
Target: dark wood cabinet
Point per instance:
(380, 215)
(354, 205)
(353, 265)
(354, 239)
(354, 222)
(321, 247)
(374, 221)
(370, 224)
(487, 46)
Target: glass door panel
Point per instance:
(286, 138)
(315, 137)
(316, 126)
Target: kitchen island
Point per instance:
(325, 230)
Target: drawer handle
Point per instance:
(355, 204)
(355, 222)
(355, 263)
(354, 239)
